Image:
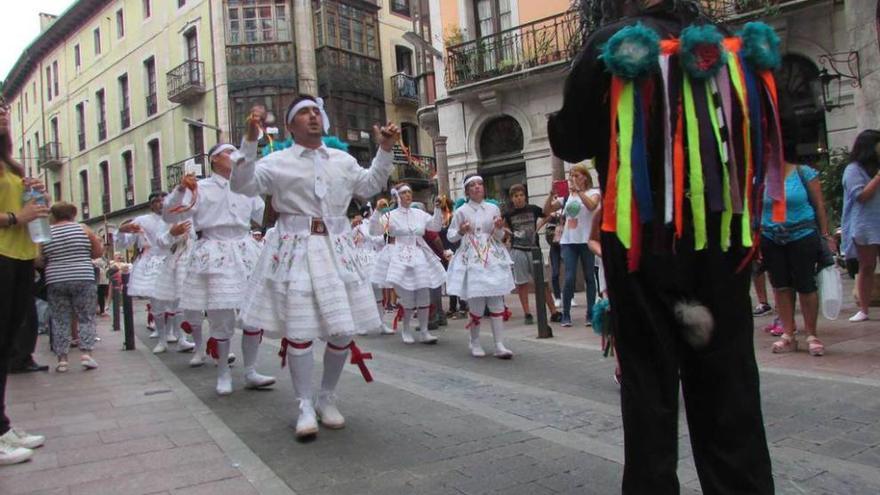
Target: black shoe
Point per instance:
(29, 368)
(556, 317)
(433, 326)
(530, 320)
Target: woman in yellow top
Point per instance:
(17, 254)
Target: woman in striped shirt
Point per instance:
(70, 280)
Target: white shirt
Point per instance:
(577, 228)
(289, 176)
(219, 213)
(407, 222)
(363, 239)
(481, 216)
(152, 227)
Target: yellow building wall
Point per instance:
(532, 10)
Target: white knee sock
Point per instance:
(194, 320)
(302, 365)
(250, 344)
(334, 361)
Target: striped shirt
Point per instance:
(68, 255)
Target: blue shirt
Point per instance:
(860, 222)
(798, 210)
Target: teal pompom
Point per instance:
(702, 54)
(572, 208)
(458, 203)
(600, 315)
(632, 52)
(760, 46)
(335, 142)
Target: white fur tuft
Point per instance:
(697, 322)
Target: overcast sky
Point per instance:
(20, 25)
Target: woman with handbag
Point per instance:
(794, 251)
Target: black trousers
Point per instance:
(719, 382)
(102, 298)
(25, 342)
(16, 296)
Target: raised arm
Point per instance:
(258, 209)
(435, 223)
(179, 196)
(369, 182)
(376, 227)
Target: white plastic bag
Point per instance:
(830, 292)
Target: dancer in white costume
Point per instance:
(221, 260)
(144, 232)
(480, 270)
(408, 264)
(368, 248)
(178, 239)
(309, 283)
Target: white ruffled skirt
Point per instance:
(408, 264)
(310, 286)
(144, 273)
(167, 284)
(214, 273)
(480, 271)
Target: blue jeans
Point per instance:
(570, 255)
(555, 264)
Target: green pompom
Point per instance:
(760, 46)
(632, 52)
(702, 54)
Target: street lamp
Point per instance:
(837, 67)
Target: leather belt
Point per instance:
(318, 227)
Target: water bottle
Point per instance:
(39, 227)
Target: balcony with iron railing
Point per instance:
(152, 104)
(49, 155)
(741, 9)
(106, 206)
(84, 209)
(125, 118)
(186, 81)
(404, 90)
(102, 130)
(538, 44)
(129, 195)
(417, 170)
(175, 171)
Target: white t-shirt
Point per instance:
(577, 227)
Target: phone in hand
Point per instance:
(560, 187)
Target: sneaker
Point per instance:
(154, 334)
(224, 383)
(566, 321)
(184, 345)
(327, 412)
(859, 317)
(762, 309)
(197, 360)
(254, 380)
(160, 348)
(558, 302)
(530, 320)
(573, 302)
(426, 337)
(407, 337)
(476, 349)
(10, 452)
(386, 330)
(24, 439)
(171, 338)
(307, 422)
(88, 362)
(502, 352)
(556, 317)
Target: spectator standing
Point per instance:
(70, 278)
(17, 253)
(101, 266)
(552, 234)
(861, 215)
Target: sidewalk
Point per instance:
(129, 427)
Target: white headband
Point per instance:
(471, 179)
(221, 149)
(306, 103)
(402, 189)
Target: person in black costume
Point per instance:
(685, 313)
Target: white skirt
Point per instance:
(167, 284)
(483, 274)
(310, 286)
(408, 264)
(214, 274)
(144, 273)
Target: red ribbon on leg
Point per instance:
(358, 358)
(186, 327)
(285, 343)
(397, 317)
(211, 348)
(255, 332)
(475, 321)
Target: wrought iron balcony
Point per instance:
(727, 9)
(105, 203)
(152, 104)
(84, 209)
(50, 155)
(102, 130)
(175, 171)
(129, 195)
(549, 41)
(125, 118)
(404, 90)
(186, 81)
(420, 170)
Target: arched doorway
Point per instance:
(501, 161)
(800, 102)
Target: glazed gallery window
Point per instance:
(257, 21)
(346, 27)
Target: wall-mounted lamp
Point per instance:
(836, 68)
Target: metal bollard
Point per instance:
(117, 303)
(127, 315)
(544, 330)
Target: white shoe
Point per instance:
(184, 345)
(476, 349)
(502, 352)
(407, 337)
(171, 339)
(557, 302)
(386, 330)
(306, 423)
(154, 334)
(21, 438)
(88, 363)
(573, 303)
(197, 360)
(224, 383)
(253, 380)
(10, 452)
(160, 348)
(426, 337)
(329, 414)
(860, 316)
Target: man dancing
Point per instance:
(309, 283)
(219, 263)
(680, 118)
